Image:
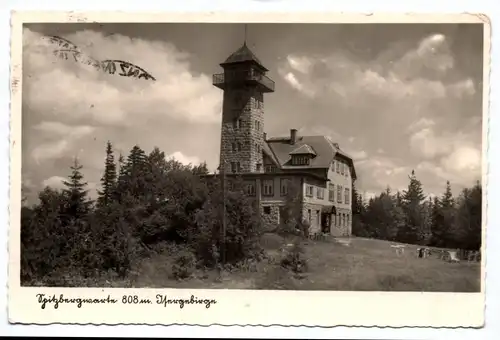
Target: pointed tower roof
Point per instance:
(243, 54)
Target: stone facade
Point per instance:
(242, 130)
(312, 214)
(270, 216)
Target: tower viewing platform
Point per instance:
(235, 79)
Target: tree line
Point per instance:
(411, 217)
(145, 200)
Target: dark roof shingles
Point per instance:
(241, 55)
(324, 148)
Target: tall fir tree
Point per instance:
(108, 179)
(447, 198)
(77, 204)
(414, 229)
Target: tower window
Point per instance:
(233, 146)
(239, 146)
(236, 124)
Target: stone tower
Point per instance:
(244, 83)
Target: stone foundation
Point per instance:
(270, 216)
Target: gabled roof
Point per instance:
(322, 146)
(243, 54)
(304, 149)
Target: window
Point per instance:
(309, 190)
(342, 166)
(348, 216)
(346, 170)
(343, 220)
(233, 167)
(238, 166)
(233, 146)
(320, 193)
(257, 125)
(259, 166)
(284, 186)
(267, 210)
(251, 189)
(270, 168)
(300, 160)
(337, 166)
(339, 193)
(309, 216)
(268, 187)
(318, 220)
(331, 192)
(239, 146)
(236, 124)
(333, 166)
(346, 196)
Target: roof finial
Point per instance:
(245, 41)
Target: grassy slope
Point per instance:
(369, 265)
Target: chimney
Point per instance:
(293, 136)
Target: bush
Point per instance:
(184, 265)
(242, 235)
(295, 260)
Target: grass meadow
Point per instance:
(363, 265)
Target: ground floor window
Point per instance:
(267, 210)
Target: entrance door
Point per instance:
(325, 223)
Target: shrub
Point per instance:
(184, 265)
(295, 260)
(242, 235)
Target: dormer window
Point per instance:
(300, 160)
(302, 155)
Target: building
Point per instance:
(316, 165)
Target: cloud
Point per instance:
(413, 109)
(63, 129)
(301, 64)
(110, 99)
(179, 156)
(55, 182)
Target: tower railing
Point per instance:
(220, 80)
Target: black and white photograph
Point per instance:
(341, 157)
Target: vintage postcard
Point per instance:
(248, 169)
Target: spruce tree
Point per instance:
(77, 203)
(447, 199)
(413, 197)
(108, 179)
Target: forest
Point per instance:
(147, 202)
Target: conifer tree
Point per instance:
(412, 200)
(447, 199)
(108, 179)
(77, 203)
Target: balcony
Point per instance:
(263, 83)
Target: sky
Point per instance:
(396, 97)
